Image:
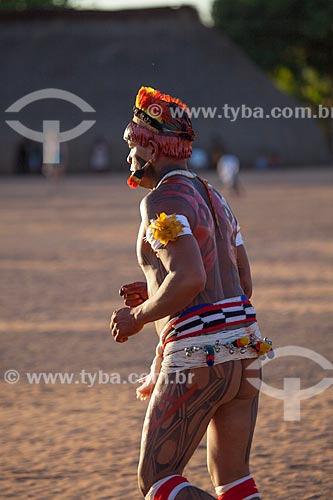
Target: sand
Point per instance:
(64, 254)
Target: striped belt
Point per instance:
(209, 318)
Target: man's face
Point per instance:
(138, 156)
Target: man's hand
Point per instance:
(134, 293)
(123, 324)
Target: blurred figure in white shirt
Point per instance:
(228, 172)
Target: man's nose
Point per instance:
(129, 159)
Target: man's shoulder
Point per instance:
(149, 199)
(163, 192)
(164, 199)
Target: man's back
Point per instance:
(215, 234)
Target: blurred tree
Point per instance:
(31, 4)
(292, 40)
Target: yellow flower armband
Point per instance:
(166, 228)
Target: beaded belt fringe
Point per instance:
(219, 347)
(261, 347)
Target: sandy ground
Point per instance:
(63, 256)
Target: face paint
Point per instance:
(135, 178)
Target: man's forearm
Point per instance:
(175, 293)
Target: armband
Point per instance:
(166, 228)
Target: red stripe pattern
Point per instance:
(164, 491)
(240, 491)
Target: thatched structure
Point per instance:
(104, 57)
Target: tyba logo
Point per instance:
(50, 134)
(292, 394)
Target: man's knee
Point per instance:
(145, 480)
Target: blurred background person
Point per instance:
(100, 155)
(54, 158)
(199, 159)
(228, 172)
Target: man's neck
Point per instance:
(162, 170)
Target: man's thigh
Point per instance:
(178, 415)
(230, 431)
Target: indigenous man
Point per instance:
(198, 287)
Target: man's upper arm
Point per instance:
(182, 256)
(170, 217)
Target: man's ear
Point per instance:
(154, 149)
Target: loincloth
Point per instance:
(215, 348)
(198, 337)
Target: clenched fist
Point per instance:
(123, 324)
(134, 293)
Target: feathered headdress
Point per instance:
(165, 114)
(163, 119)
(155, 104)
